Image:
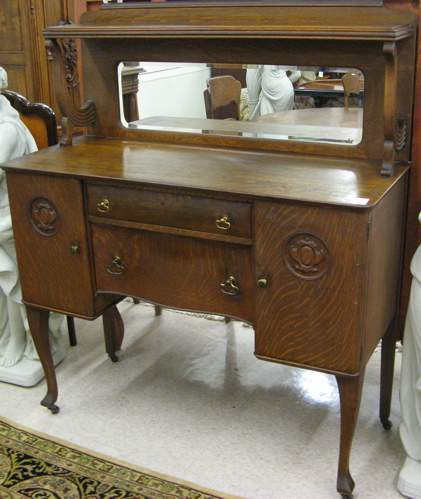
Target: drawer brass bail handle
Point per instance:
(229, 287)
(104, 206)
(116, 267)
(223, 223)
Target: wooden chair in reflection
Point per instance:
(41, 122)
(352, 85)
(222, 98)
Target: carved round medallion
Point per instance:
(44, 216)
(306, 255)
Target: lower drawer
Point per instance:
(175, 271)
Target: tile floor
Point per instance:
(189, 399)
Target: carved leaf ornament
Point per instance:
(44, 216)
(306, 255)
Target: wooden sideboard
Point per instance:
(318, 278)
(301, 239)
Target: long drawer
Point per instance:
(215, 216)
(176, 271)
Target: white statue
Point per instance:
(270, 89)
(409, 483)
(19, 362)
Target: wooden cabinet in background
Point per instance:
(22, 47)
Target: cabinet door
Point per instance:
(311, 311)
(51, 242)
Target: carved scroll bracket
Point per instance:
(394, 127)
(67, 78)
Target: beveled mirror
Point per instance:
(312, 104)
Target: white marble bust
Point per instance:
(270, 89)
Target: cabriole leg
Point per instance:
(38, 324)
(113, 331)
(386, 376)
(350, 397)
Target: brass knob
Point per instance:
(103, 206)
(74, 249)
(229, 287)
(223, 223)
(262, 283)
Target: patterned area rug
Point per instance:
(37, 466)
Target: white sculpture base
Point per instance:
(29, 372)
(409, 483)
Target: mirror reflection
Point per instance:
(322, 104)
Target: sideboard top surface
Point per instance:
(288, 176)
